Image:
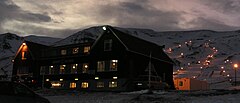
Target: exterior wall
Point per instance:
(129, 66)
(190, 84)
(185, 84)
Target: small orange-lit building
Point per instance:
(190, 84)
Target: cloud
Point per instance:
(57, 17)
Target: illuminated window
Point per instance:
(113, 84)
(86, 49)
(96, 78)
(100, 84)
(74, 68)
(84, 85)
(63, 52)
(115, 77)
(108, 45)
(85, 68)
(113, 65)
(62, 69)
(51, 70)
(73, 85)
(75, 50)
(180, 83)
(61, 79)
(100, 66)
(24, 55)
(47, 79)
(56, 84)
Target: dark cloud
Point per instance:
(211, 25)
(130, 14)
(226, 6)
(62, 18)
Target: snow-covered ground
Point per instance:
(213, 96)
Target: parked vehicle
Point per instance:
(13, 92)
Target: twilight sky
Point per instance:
(61, 18)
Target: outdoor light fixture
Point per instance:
(104, 28)
(235, 66)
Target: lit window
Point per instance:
(76, 79)
(100, 84)
(47, 80)
(56, 84)
(51, 70)
(85, 68)
(24, 50)
(62, 67)
(75, 50)
(63, 52)
(115, 77)
(61, 79)
(24, 55)
(113, 84)
(108, 45)
(73, 85)
(100, 66)
(180, 83)
(74, 68)
(86, 49)
(84, 85)
(96, 77)
(113, 65)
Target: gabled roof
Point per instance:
(140, 46)
(35, 49)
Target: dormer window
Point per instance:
(75, 50)
(63, 52)
(108, 45)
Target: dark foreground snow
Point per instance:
(212, 96)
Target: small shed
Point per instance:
(190, 84)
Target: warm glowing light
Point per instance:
(182, 68)
(228, 75)
(76, 79)
(222, 67)
(114, 77)
(61, 79)
(47, 80)
(181, 54)
(24, 44)
(235, 65)
(56, 84)
(224, 71)
(86, 66)
(96, 77)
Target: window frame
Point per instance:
(108, 45)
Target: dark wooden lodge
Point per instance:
(112, 62)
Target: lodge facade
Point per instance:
(110, 63)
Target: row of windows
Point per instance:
(76, 50)
(111, 84)
(102, 66)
